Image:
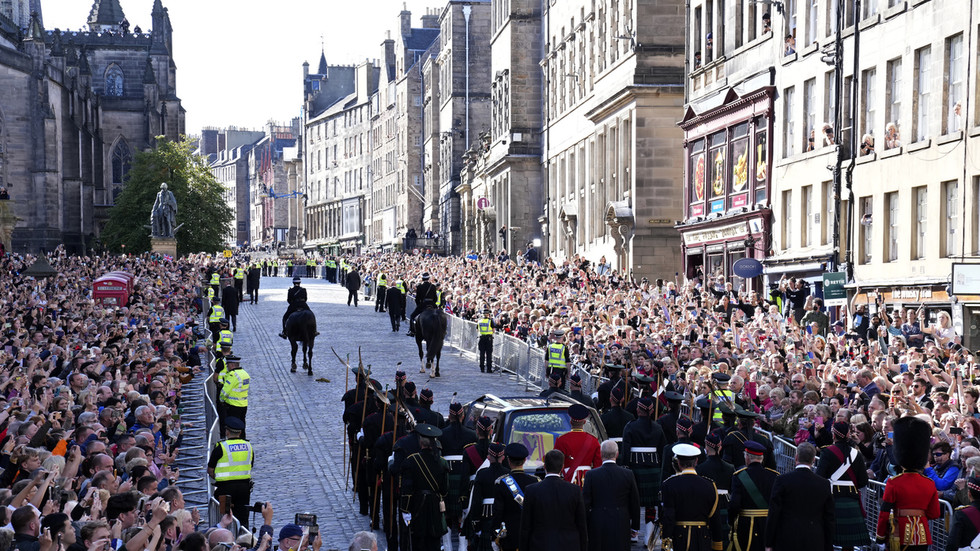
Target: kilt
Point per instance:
(851, 528)
(648, 484)
(456, 495)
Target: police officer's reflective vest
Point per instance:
(226, 338)
(215, 278)
(485, 327)
(382, 280)
(210, 293)
(235, 462)
(400, 285)
(240, 273)
(289, 263)
(556, 356)
(721, 396)
(217, 312)
(438, 297)
(234, 389)
(343, 265)
(331, 264)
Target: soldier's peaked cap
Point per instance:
(578, 412)
(686, 450)
(425, 429)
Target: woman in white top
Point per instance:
(942, 330)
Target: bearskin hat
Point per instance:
(911, 439)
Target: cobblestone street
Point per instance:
(295, 422)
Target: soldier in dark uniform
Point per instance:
(477, 526)
(475, 453)
(424, 484)
(424, 412)
(376, 424)
(554, 385)
(688, 505)
(454, 438)
(380, 456)
(615, 418)
(966, 519)
(615, 374)
(576, 384)
(668, 421)
(734, 443)
(684, 426)
(644, 443)
(843, 464)
(701, 427)
(296, 298)
(354, 417)
(720, 472)
(748, 504)
(425, 294)
(644, 387)
(509, 497)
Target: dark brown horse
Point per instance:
(301, 328)
(430, 327)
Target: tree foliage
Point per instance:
(201, 207)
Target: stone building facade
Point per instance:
(337, 158)
(613, 93)
(397, 133)
(227, 151)
(276, 187)
(77, 107)
(502, 176)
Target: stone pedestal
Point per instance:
(164, 245)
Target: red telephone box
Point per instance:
(111, 290)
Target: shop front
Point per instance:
(933, 298)
(727, 184)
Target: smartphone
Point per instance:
(891, 435)
(903, 367)
(314, 531)
(956, 430)
(304, 519)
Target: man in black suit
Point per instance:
(612, 503)
(508, 500)
(801, 508)
(553, 518)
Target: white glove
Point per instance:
(407, 517)
(360, 434)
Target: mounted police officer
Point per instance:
(230, 465)
(296, 297)
(425, 297)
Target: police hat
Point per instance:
(578, 412)
(516, 450)
(725, 409)
(425, 276)
(232, 359)
(297, 279)
(721, 377)
(223, 321)
(234, 423)
(754, 448)
(686, 450)
(672, 396)
(425, 429)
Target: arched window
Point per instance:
(114, 81)
(122, 157)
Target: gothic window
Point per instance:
(122, 158)
(114, 81)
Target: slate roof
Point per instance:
(106, 12)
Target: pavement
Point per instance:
(295, 422)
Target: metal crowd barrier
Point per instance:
(211, 414)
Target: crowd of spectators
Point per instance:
(793, 361)
(90, 406)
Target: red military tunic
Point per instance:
(914, 500)
(581, 449)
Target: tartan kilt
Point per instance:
(851, 528)
(456, 495)
(648, 484)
